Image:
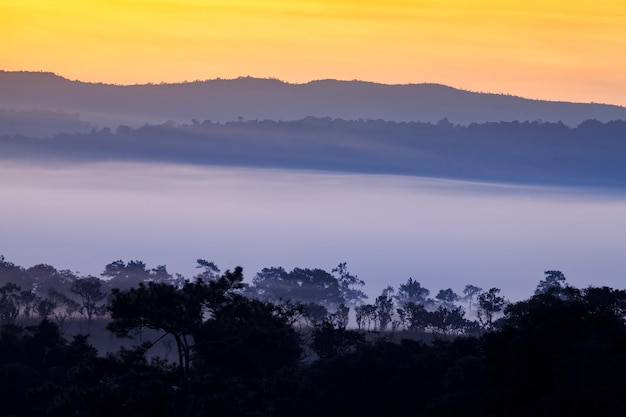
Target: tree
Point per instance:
(89, 289)
(605, 300)
(365, 316)
(124, 276)
(570, 346)
(553, 281)
(9, 303)
(136, 271)
(449, 320)
(160, 274)
(330, 341)
(341, 317)
(347, 282)
(447, 298)
(36, 366)
(60, 299)
(45, 307)
(159, 306)
(313, 313)
(210, 270)
(411, 292)
(11, 273)
(178, 281)
(489, 304)
(247, 338)
(271, 284)
(28, 301)
(114, 270)
(470, 292)
(301, 284)
(46, 277)
(414, 316)
(220, 291)
(176, 312)
(384, 308)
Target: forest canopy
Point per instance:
(266, 348)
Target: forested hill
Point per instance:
(251, 98)
(592, 154)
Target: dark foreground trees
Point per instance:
(561, 352)
(36, 363)
(558, 353)
(225, 341)
(176, 312)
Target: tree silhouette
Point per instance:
(45, 307)
(411, 292)
(449, 320)
(245, 338)
(366, 314)
(124, 276)
(162, 307)
(347, 282)
(470, 292)
(384, 308)
(14, 274)
(489, 304)
(89, 289)
(554, 280)
(176, 312)
(9, 303)
(341, 317)
(414, 316)
(330, 341)
(571, 346)
(301, 284)
(314, 313)
(28, 301)
(210, 271)
(160, 274)
(447, 298)
(69, 306)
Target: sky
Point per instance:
(569, 50)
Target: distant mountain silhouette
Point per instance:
(269, 99)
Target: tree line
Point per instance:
(317, 295)
(590, 154)
(244, 350)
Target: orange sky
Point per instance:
(562, 50)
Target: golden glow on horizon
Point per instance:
(570, 50)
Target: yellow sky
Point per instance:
(555, 49)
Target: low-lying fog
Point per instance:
(387, 228)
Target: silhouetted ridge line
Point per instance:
(259, 99)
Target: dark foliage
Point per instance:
(561, 352)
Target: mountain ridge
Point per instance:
(248, 98)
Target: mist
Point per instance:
(386, 227)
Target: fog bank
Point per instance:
(388, 228)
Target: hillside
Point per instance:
(268, 99)
(590, 155)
